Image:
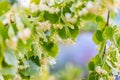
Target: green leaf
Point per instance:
(74, 32)
(101, 25)
(67, 32)
(35, 1)
(93, 76)
(112, 14)
(1, 27)
(8, 71)
(53, 18)
(108, 33)
(106, 67)
(113, 56)
(97, 37)
(32, 70)
(1, 50)
(54, 50)
(89, 16)
(3, 31)
(63, 33)
(95, 61)
(99, 19)
(4, 7)
(117, 39)
(91, 66)
(35, 59)
(109, 64)
(10, 57)
(51, 48)
(14, 28)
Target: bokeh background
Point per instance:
(75, 56)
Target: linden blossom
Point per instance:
(24, 3)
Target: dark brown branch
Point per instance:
(104, 52)
(108, 16)
(107, 23)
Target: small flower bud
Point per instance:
(27, 33)
(98, 69)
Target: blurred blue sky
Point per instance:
(77, 54)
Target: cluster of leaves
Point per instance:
(105, 65)
(29, 33)
(28, 39)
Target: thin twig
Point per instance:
(104, 52)
(107, 23)
(108, 16)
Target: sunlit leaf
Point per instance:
(108, 33)
(91, 65)
(93, 76)
(97, 37)
(63, 33)
(4, 7)
(74, 32)
(117, 39)
(35, 1)
(99, 19)
(53, 18)
(32, 70)
(51, 48)
(10, 57)
(8, 71)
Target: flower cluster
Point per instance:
(99, 70)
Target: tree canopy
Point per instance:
(31, 29)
